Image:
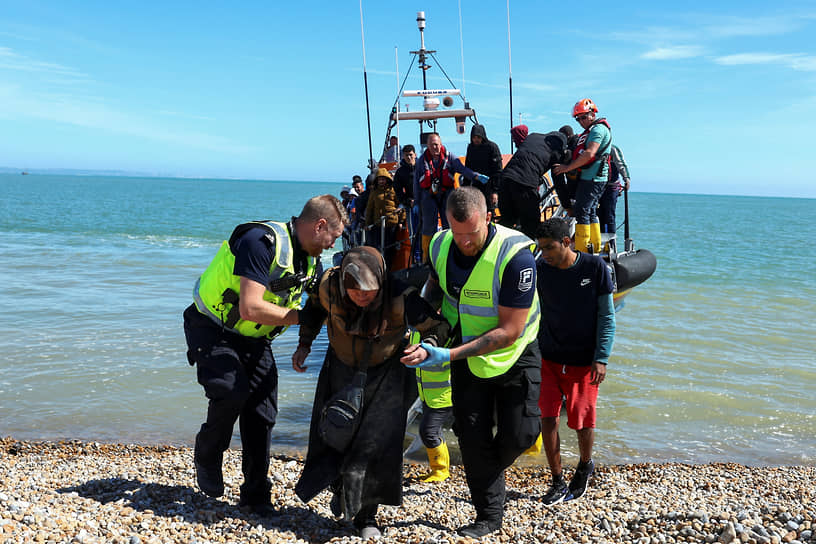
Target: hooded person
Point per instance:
(524, 173)
(382, 202)
(484, 156)
(367, 316)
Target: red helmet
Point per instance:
(585, 105)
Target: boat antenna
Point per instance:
(365, 83)
(462, 47)
(510, 71)
(396, 62)
(422, 57)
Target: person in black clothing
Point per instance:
(521, 178)
(404, 177)
(484, 156)
(565, 183)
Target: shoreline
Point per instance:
(89, 492)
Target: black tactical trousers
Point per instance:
(508, 401)
(240, 380)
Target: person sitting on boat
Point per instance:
(483, 156)
(524, 173)
(367, 316)
(575, 336)
(433, 180)
(392, 152)
(618, 170)
(347, 195)
(590, 158)
(383, 203)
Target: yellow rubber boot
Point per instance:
(439, 459)
(582, 238)
(426, 243)
(595, 237)
(535, 449)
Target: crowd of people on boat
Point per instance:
(514, 319)
(411, 202)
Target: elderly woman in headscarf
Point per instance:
(367, 316)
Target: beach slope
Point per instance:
(92, 493)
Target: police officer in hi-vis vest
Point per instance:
(486, 273)
(248, 295)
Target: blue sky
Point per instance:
(703, 97)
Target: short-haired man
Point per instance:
(575, 336)
(248, 295)
(589, 158)
(391, 153)
(618, 170)
(486, 273)
(433, 181)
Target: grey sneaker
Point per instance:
(580, 480)
(558, 492)
(370, 532)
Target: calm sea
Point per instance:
(713, 357)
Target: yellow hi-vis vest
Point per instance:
(433, 382)
(477, 310)
(217, 291)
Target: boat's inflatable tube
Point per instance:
(632, 269)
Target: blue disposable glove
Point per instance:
(481, 178)
(436, 356)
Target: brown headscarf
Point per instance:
(363, 268)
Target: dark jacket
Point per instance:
(536, 155)
(484, 158)
(404, 183)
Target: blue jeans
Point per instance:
(433, 209)
(587, 194)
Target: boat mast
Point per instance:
(423, 56)
(510, 71)
(371, 162)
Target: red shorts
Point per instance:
(572, 383)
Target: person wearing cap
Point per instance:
(248, 296)
(521, 178)
(433, 180)
(383, 203)
(590, 160)
(367, 315)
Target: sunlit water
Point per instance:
(712, 358)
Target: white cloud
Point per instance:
(673, 52)
(11, 60)
(796, 61)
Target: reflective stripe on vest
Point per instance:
(434, 386)
(478, 308)
(218, 280)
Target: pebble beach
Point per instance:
(87, 492)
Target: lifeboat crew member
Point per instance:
(433, 180)
(486, 274)
(248, 295)
(591, 158)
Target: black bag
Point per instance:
(340, 416)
